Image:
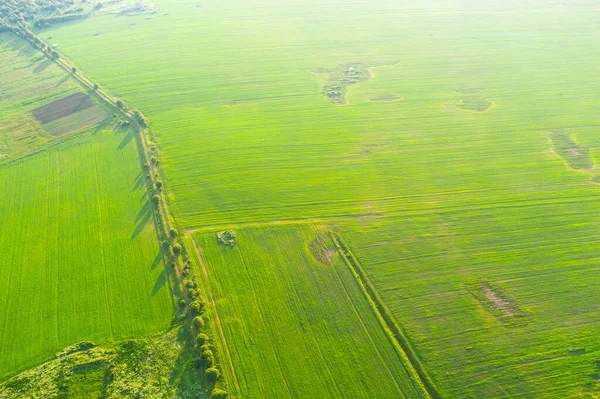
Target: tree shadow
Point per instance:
(157, 260)
(138, 182)
(63, 80)
(126, 140)
(146, 208)
(184, 358)
(143, 222)
(41, 66)
(160, 282)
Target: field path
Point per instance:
(219, 324)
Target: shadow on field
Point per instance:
(126, 140)
(142, 219)
(138, 182)
(63, 80)
(160, 282)
(157, 260)
(41, 66)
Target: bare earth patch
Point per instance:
(70, 114)
(322, 248)
(497, 302)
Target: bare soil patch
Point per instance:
(497, 302)
(322, 248)
(63, 107)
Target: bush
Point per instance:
(212, 374)
(177, 249)
(172, 232)
(208, 358)
(219, 394)
(201, 339)
(156, 199)
(198, 323)
(195, 308)
(227, 237)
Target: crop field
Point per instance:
(270, 290)
(88, 265)
(453, 144)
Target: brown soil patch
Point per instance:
(63, 107)
(500, 303)
(321, 247)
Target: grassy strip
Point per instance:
(401, 343)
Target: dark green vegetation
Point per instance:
(455, 201)
(340, 79)
(156, 367)
(576, 156)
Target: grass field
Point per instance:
(465, 158)
(296, 327)
(87, 266)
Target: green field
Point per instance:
(80, 255)
(296, 327)
(460, 171)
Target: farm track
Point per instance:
(218, 319)
(395, 333)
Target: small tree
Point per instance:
(198, 323)
(156, 199)
(119, 104)
(196, 309)
(208, 358)
(96, 87)
(74, 70)
(201, 339)
(173, 232)
(177, 249)
(212, 374)
(159, 185)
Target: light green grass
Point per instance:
(81, 259)
(429, 195)
(296, 327)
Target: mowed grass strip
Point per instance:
(80, 255)
(296, 327)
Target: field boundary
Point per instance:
(205, 281)
(416, 370)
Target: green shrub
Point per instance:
(201, 339)
(198, 322)
(208, 358)
(177, 249)
(227, 237)
(212, 374)
(219, 394)
(195, 309)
